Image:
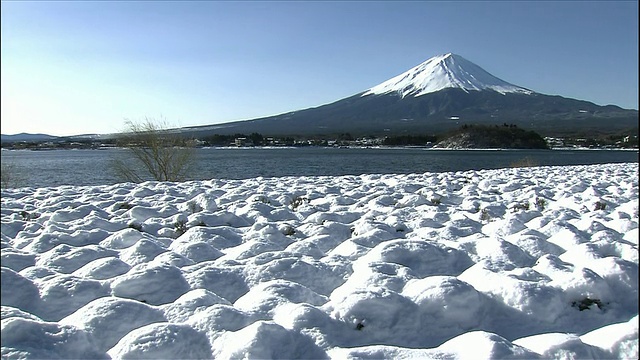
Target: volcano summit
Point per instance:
(443, 72)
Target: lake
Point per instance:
(92, 167)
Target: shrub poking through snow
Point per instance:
(135, 226)
(484, 215)
(263, 199)
(288, 230)
(194, 207)
(297, 201)
(600, 205)
(27, 216)
(359, 324)
(125, 206)
(520, 206)
(541, 204)
(586, 303)
(180, 226)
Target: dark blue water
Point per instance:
(93, 167)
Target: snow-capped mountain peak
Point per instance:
(442, 72)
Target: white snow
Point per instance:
(520, 263)
(442, 72)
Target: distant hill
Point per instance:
(27, 137)
(492, 137)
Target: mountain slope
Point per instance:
(436, 113)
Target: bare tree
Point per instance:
(157, 151)
(10, 176)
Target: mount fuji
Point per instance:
(442, 93)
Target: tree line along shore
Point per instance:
(506, 136)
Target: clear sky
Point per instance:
(78, 67)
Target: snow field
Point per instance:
(526, 263)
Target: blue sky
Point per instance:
(79, 67)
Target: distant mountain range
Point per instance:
(44, 137)
(440, 94)
(28, 137)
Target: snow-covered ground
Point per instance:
(527, 263)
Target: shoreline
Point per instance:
(349, 147)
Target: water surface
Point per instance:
(93, 167)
